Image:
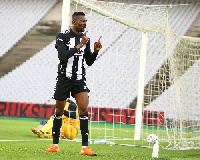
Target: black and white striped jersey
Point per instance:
(71, 59)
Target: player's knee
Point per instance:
(83, 111)
(59, 107)
(59, 111)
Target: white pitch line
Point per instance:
(11, 140)
(40, 139)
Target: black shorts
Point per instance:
(65, 86)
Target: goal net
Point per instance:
(146, 79)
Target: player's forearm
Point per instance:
(89, 56)
(90, 60)
(64, 55)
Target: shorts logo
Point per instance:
(85, 87)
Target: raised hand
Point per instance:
(84, 39)
(97, 46)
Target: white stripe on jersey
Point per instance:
(80, 65)
(71, 59)
(69, 67)
(80, 62)
(72, 43)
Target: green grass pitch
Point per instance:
(17, 142)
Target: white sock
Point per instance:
(55, 145)
(84, 147)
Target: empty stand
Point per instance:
(18, 17)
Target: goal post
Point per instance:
(141, 84)
(145, 79)
(65, 15)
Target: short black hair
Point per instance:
(77, 14)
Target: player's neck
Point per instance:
(75, 31)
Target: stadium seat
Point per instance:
(18, 17)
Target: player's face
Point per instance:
(80, 23)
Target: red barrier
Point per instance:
(26, 110)
(117, 115)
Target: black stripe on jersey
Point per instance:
(83, 69)
(75, 67)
